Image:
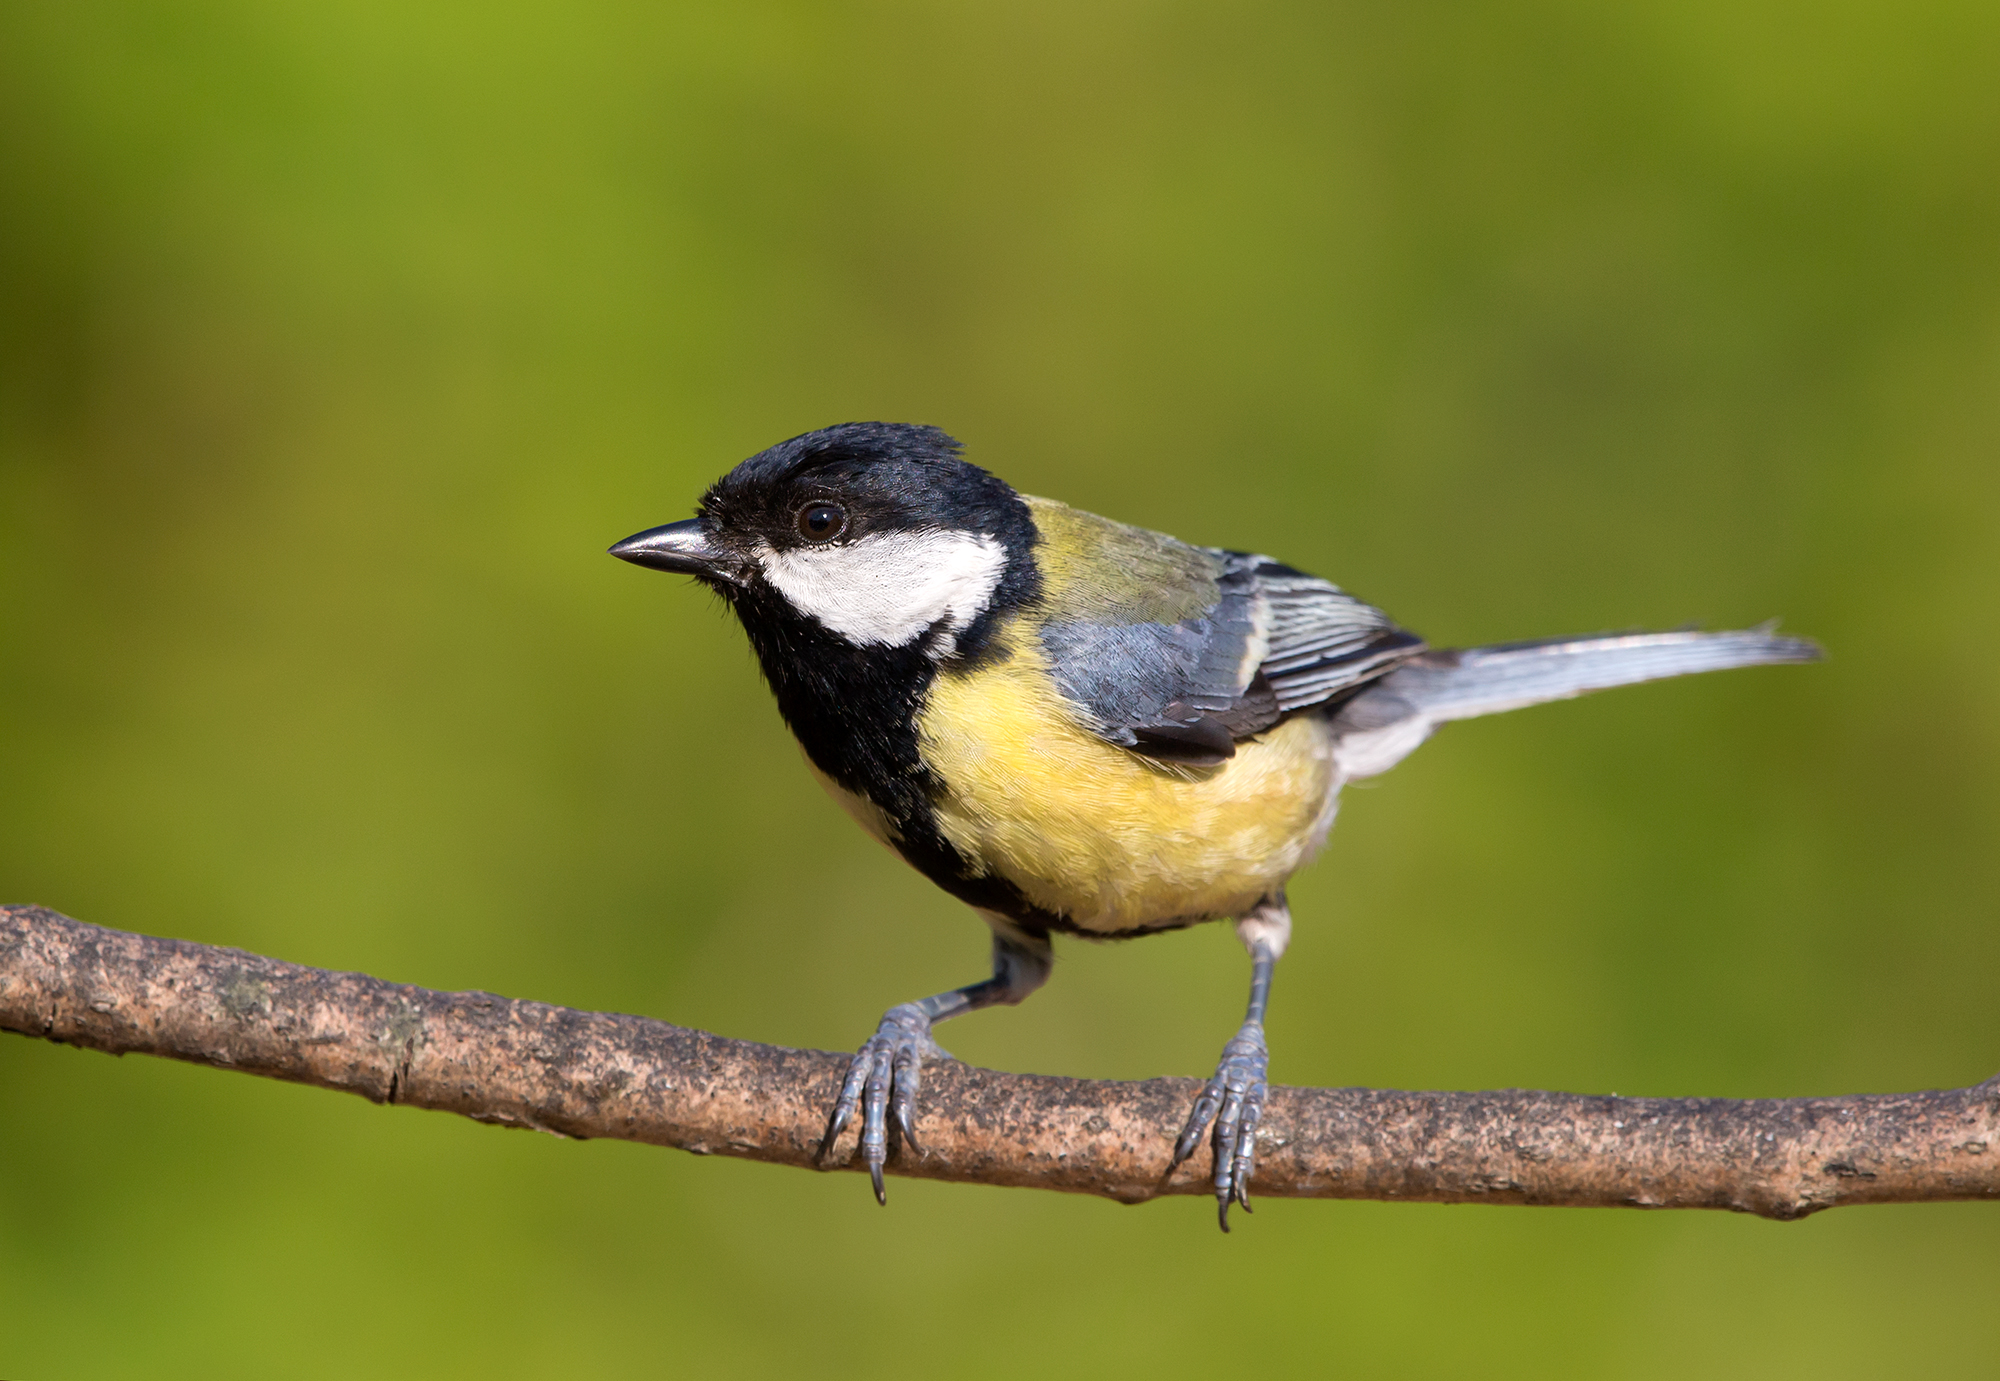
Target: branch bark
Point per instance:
(593, 1074)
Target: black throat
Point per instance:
(855, 710)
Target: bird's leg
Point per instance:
(1234, 1098)
(884, 1076)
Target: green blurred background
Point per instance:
(338, 340)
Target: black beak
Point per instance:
(679, 547)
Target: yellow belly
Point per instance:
(1109, 838)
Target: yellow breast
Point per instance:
(1104, 836)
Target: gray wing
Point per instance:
(1274, 642)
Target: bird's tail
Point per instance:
(1383, 724)
(1462, 682)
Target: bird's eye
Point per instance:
(822, 522)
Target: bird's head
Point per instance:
(876, 532)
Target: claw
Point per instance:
(906, 1077)
(1234, 1101)
(1197, 1123)
(904, 1116)
(882, 1082)
(843, 1107)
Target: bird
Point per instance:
(1083, 728)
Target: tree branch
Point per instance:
(592, 1074)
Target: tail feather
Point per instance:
(1381, 726)
(1463, 682)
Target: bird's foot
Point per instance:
(1234, 1101)
(883, 1081)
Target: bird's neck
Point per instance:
(853, 709)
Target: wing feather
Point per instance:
(1271, 641)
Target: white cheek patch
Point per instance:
(889, 588)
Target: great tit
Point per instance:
(1080, 727)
